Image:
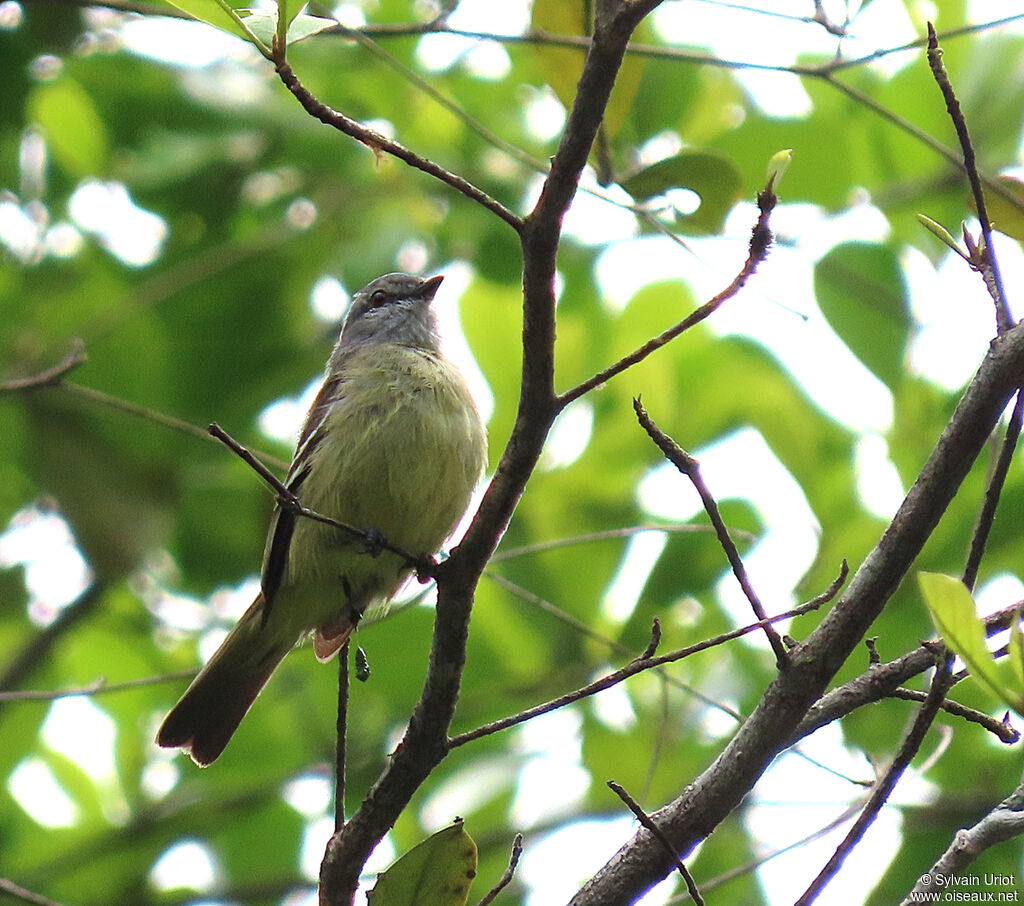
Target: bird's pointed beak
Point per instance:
(429, 287)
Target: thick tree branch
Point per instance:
(881, 681)
(706, 802)
(425, 742)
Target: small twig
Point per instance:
(652, 645)
(689, 467)
(26, 896)
(640, 664)
(506, 878)
(342, 728)
(610, 534)
(753, 864)
(1003, 730)
(989, 264)
(909, 747)
(760, 242)
(96, 687)
(646, 821)
(287, 500)
(380, 144)
(54, 375)
(585, 629)
(992, 493)
(55, 378)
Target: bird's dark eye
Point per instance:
(378, 297)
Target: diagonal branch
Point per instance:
(760, 242)
(993, 491)
(646, 661)
(380, 144)
(770, 728)
(49, 376)
(994, 279)
(909, 747)
(689, 466)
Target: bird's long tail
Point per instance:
(212, 707)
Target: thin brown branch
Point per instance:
(585, 629)
(506, 878)
(638, 665)
(379, 144)
(628, 531)
(909, 747)
(341, 730)
(1003, 730)
(25, 896)
(646, 821)
(96, 687)
(50, 376)
(760, 242)
(1004, 319)
(689, 467)
(993, 491)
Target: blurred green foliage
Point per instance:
(259, 202)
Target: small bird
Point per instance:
(393, 445)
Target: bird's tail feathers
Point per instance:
(213, 706)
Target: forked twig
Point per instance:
(642, 663)
(988, 264)
(689, 466)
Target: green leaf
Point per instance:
(1006, 217)
(264, 25)
(778, 166)
(437, 871)
(74, 130)
(939, 232)
(713, 176)
(562, 66)
(954, 614)
(862, 294)
(215, 13)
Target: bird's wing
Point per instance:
(282, 521)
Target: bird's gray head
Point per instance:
(394, 308)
